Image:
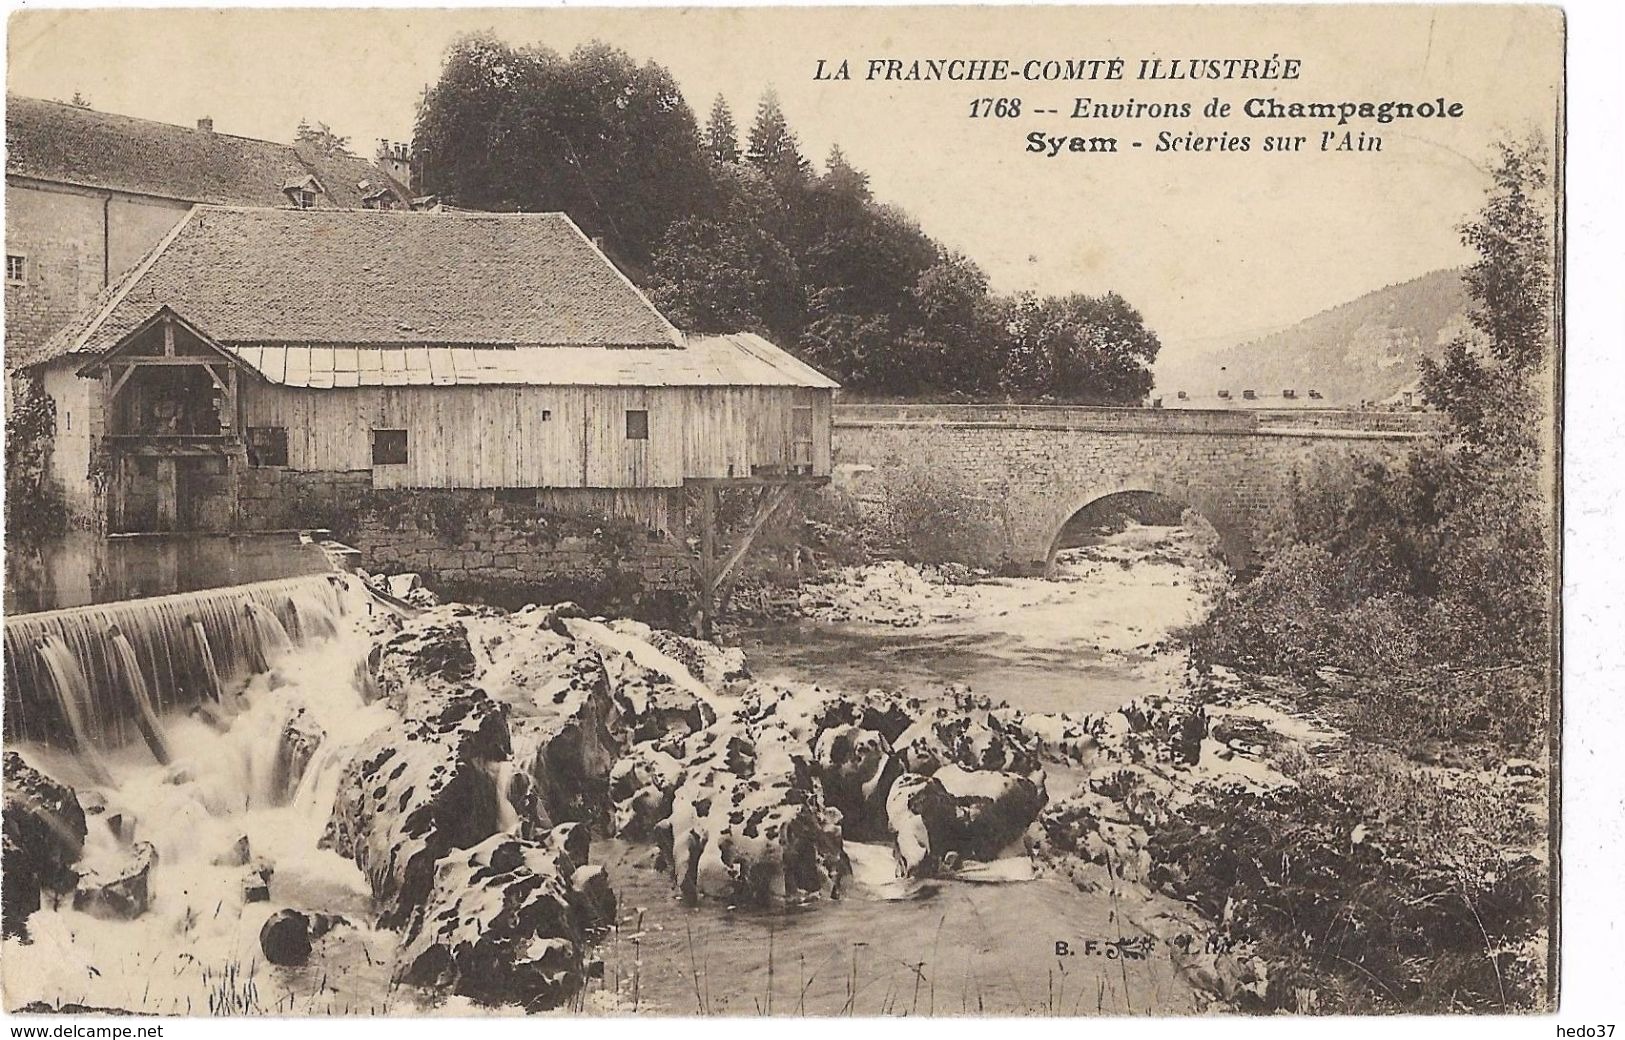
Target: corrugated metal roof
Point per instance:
(741, 359)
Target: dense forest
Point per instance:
(731, 231)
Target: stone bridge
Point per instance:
(1041, 464)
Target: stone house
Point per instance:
(88, 193)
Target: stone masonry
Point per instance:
(1041, 465)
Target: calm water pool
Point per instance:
(82, 568)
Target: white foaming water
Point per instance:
(196, 949)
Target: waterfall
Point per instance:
(73, 700)
(135, 687)
(113, 670)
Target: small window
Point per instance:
(389, 447)
(267, 446)
(547, 415)
(16, 268)
(637, 424)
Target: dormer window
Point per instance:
(302, 192)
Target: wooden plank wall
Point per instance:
(493, 437)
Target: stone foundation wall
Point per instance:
(276, 499)
(509, 548)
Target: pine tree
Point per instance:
(721, 136)
(773, 146)
(843, 177)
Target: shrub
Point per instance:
(35, 508)
(1384, 888)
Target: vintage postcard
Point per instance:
(1042, 511)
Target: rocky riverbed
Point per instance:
(540, 810)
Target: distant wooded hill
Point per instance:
(1363, 350)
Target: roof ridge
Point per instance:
(128, 282)
(142, 119)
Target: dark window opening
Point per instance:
(389, 447)
(637, 424)
(16, 268)
(267, 446)
(547, 415)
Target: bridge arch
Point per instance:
(1235, 541)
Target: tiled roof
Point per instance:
(378, 277)
(738, 360)
(52, 141)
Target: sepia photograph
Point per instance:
(783, 511)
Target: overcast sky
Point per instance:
(1211, 247)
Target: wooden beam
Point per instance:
(169, 339)
(757, 480)
(708, 559)
(219, 384)
(118, 384)
(202, 360)
(168, 495)
(771, 500)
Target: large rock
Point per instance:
(923, 818)
(970, 736)
(641, 788)
(758, 841)
(748, 824)
(418, 789)
(651, 706)
(562, 719)
(857, 768)
(121, 890)
(432, 652)
(503, 925)
(994, 809)
(285, 938)
(43, 837)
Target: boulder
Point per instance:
(122, 890)
(641, 787)
(416, 790)
(856, 767)
(971, 738)
(285, 938)
(43, 837)
(562, 720)
(993, 809)
(757, 840)
(923, 817)
(431, 652)
(651, 706)
(501, 926)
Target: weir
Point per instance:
(96, 677)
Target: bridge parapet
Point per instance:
(1331, 421)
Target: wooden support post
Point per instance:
(168, 495)
(708, 559)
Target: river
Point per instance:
(1086, 641)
